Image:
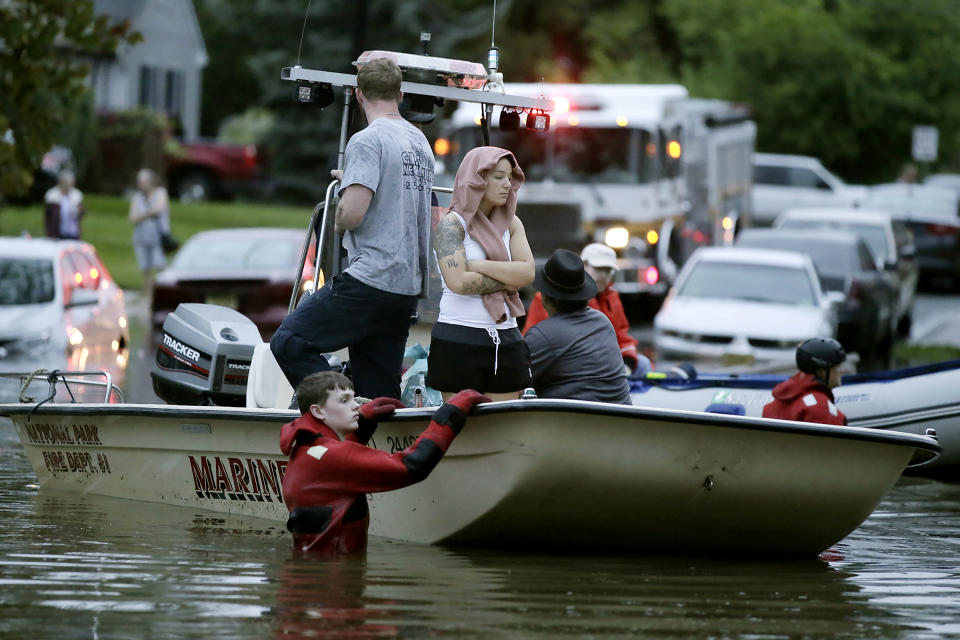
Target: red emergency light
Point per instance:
(651, 275)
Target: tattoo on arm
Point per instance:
(338, 217)
(485, 285)
(448, 243)
(447, 240)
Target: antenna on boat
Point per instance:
(304, 29)
(495, 78)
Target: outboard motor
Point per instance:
(204, 356)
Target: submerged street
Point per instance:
(86, 567)
(78, 566)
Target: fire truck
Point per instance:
(612, 168)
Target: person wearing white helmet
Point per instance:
(600, 262)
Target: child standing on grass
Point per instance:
(331, 469)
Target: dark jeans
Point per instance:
(347, 313)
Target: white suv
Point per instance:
(785, 181)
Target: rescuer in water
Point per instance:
(332, 469)
(808, 395)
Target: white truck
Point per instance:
(611, 169)
(782, 181)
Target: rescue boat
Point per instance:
(909, 400)
(546, 474)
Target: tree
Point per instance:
(302, 143)
(844, 80)
(42, 43)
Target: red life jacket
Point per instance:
(327, 479)
(805, 399)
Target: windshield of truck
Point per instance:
(749, 282)
(235, 252)
(593, 155)
(599, 156)
(873, 234)
(26, 281)
(529, 147)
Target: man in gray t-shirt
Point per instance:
(389, 248)
(574, 353)
(385, 214)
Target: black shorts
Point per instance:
(465, 358)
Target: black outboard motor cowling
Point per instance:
(203, 356)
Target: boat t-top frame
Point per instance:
(453, 80)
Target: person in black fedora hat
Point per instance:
(563, 277)
(574, 353)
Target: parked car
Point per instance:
(944, 180)
(782, 181)
(743, 306)
(207, 170)
(866, 320)
(888, 239)
(251, 270)
(931, 214)
(59, 309)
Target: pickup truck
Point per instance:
(783, 182)
(207, 169)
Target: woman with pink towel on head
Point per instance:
(484, 257)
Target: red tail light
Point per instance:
(941, 229)
(650, 275)
(250, 156)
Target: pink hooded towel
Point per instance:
(468, 189)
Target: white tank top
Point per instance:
(468, 311)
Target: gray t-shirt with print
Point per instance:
(390, 248)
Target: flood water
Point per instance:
(76, 566)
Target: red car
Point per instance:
(251, 270)
(208, 170)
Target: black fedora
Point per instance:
(562, 277)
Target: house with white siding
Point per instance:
(164, 71)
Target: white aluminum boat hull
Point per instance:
(909, 404)
(538, 473)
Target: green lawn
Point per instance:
(912, 354)
(106, 226)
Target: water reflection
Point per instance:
(84, 566)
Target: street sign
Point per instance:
(925, 143)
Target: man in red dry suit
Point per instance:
(331, 469)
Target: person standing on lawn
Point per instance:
(150, 214)
(63, 208)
